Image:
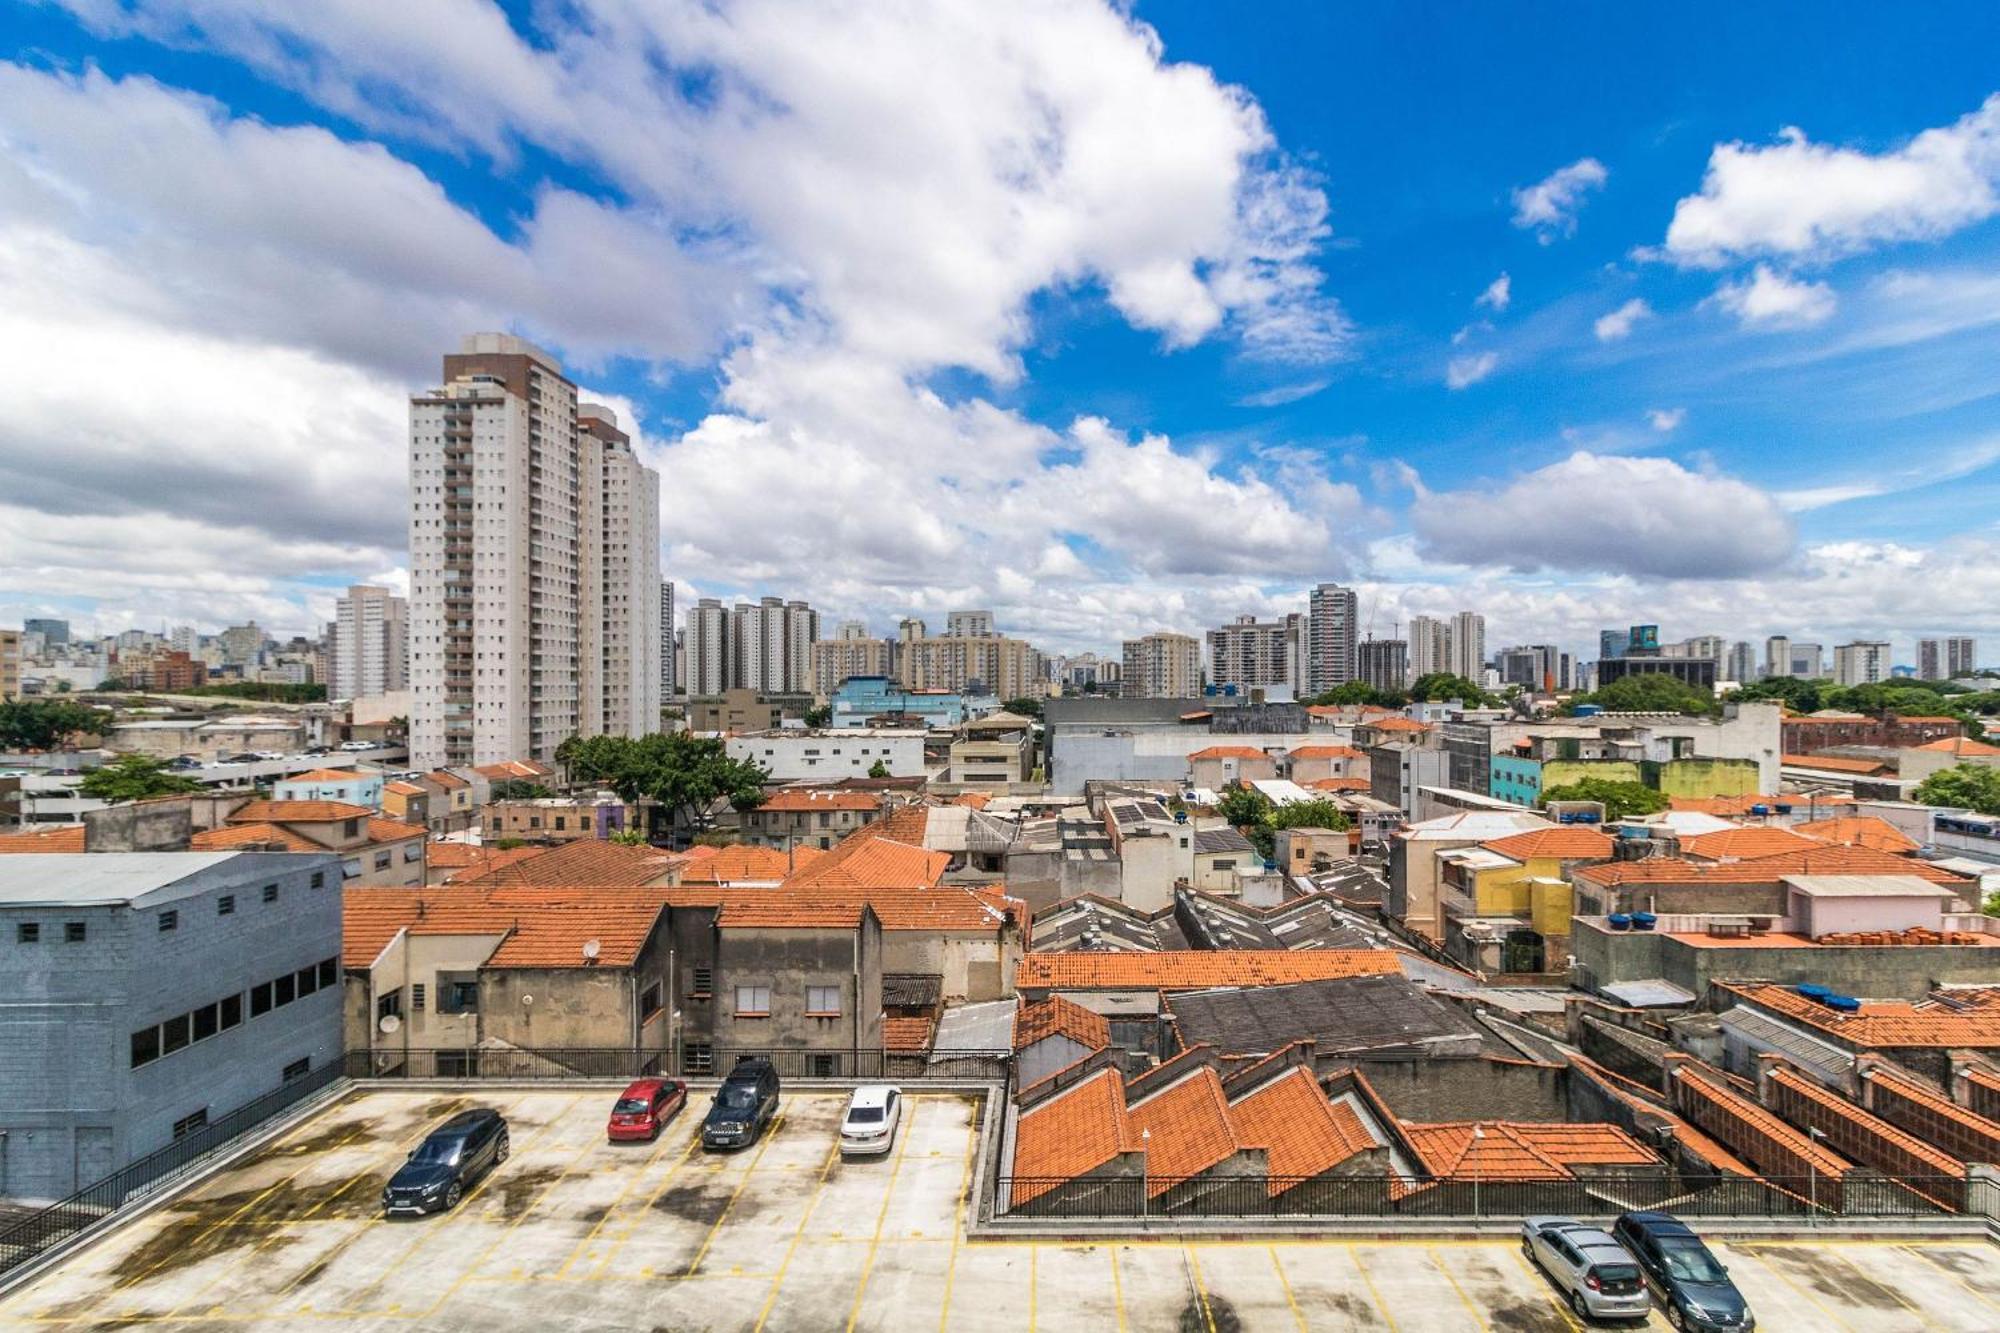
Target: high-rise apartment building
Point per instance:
(993, 664)
(706, 645)
(55, 633)
(770, 645)
(668, 640)
(1430, 647)
(535, 567)
(1254, 654)
(1162, 665)
(969, 625)
(1777, 656)
(1332, 633)
(369, 648)
(849, 631)
(835, 660)
(1467, 646)
(1864, 662)
(1937, 659)
(1384, 664)
(10, 664)
(1809, 661)
(1742, 664)
(241, 644)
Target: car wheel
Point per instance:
(655, 1136)
(1676, 1318)
(1576, 1304)
(500, 1153)
(452, 1196)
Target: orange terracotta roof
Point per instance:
(1950, 1124)
(1398, 724)
(546, 928)
(1339, 784)
(1685, 1134)
(1302, 1134)
(1963, 747)
(1833, 763)
(1564, 842)
(444, 777)
(741, 863)
(585, 861)
(328, 775)
(297, 812)
(772, 910)
(907, 1035)
(1056, 1016)
(1745, 844)
(1880, 1023)
(1079, 1130)
(1325, 710)
(1326, 752)
(794, 800)
(1824, 859)
(948, 907)
(1926, 717)
(1506, 1150)
(68, 838)
(1859, 831)
(977, 800)
(1770, 1144)
(554, 935)
(1190, 1127)
(266, 837)
(514, 768)
(402, 788)
(1197, 969)
(394, 830)
(464, 859)
(1229, 752)
(1904, 1145)
(859, 861)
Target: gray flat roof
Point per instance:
(83, 879)
(1867, 886)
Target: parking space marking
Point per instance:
(1117, 1287)
(1955, 1277)
(778, 1279)
(875, 1243)
(632, 1223)
(514, 1223)
(737, 1193)
(1439, 1264)
(1200, 1288)
(1298, 1315)
(958, 1228)
(1785, 1278)
(1542, 1285)
(1374, 1292)
(631, 1183)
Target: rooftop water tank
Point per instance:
(1845, 1004)
(1643, 920)
(1814, 992)
(1760, 809)
(1783, 807)
(1589, 710)
(1620, 921)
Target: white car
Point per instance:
(872, 1116)
(351, 746)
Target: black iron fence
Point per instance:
(1127, 1196)
(526, 1065)
(31, 1235)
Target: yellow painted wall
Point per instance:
(1510, 891)
(1562, 772)
(1709, 777)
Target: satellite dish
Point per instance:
(389, 1023)
(591, 948)
(527, 999)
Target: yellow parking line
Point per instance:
(632, 1225)
(1466, 1300)
(1200, 1287)
(1291, 1300)
(1783, 1277)
(1947, 1270)
(735, 1194)
(1542, 1286)
(1034, 1288)
(590, 1237)
(881, 1217)
(1374, 1292)
(778, 1278)
(958, 1227)
(1117, 1288)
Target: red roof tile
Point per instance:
(536, 928)
(1190, 1129)
(1825, 859)
(1832, 763)
(795, 800)
(263, 837)
(910, 1036)
(1077, 1131)
(1326, 752)
(1859, 831)
(68, 838)
(1056, 1016)
(328, 775)
(1880, 1023)
(1339, 784)
(1197, 969)
(742, 863)
(1744, 844)
(1302, 1134)
(297, 812)
(1229, 752)
(466, 859)
(583, 862)
(1567, 842)
(1962, 747)
(1506, 1150)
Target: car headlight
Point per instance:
(435, 1187)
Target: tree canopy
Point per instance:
(517, 789)
(1911, 698)
(1444, 687)
(1359, 692)
(1260, 818)
(685, 774)
(45, 724)
(134, 777)
(1651, 692)
(1025, 706)
(1621, 800)
(1966, 786)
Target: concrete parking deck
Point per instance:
(575, 1233)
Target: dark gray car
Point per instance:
(447, 1163)
(1691, 1282)
(744, 1105)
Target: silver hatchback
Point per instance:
(1601, 1279)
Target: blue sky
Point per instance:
(1109, 322)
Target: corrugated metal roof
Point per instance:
(1829, 1064)
(1648, 993)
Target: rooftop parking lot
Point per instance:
(575, 1233)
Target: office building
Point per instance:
(55, 633)
(152, 993)
(1534, 667)
(1254, 654)
(1468, 645)
(1777, 656)
(1612, 643)
(669, 640)
(1162, 665)
(1864, 662)
(535, 574)
(369, 650)
(1808, 661)
(1430, 647)
(1696, 671)
(1384, 664)
(969, 625)
(1332, 634)
(241, 645)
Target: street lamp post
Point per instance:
(1145, 1171)
(1812, 1179)
(1477, 1135)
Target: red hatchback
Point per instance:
(644, 1109)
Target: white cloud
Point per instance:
(1798, 199)
(1940, 464)
(1619, 323)
(1464, 371)
(1282, 394)
(1549, 207)
(1771, 300)
(1498, 294)
(1666, 420)
(1648, 517)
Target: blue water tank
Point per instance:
(1620, 921)
(1783, 807)
(1586, 817)
(1643, 920)
(1814, 992)
(1589, 710)
(1845, 1004)
(1760, 809)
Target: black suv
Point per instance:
(439, 1170)
(743, 1106)
(1691, 1281)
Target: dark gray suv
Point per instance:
(449, 1162)
(744, 1106)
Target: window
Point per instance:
(319, 879)
(416, 997)
(145, 1046)
(649, 1001)
(704, 982)
(232, 1011)
(298, 1069)
(174, 1035)
(458, 995)
(28, 932)
(169, 920)
(329, 972)
(825, 1066)
(270, 893)
(260, 999)
(226, 905)
(206, 1023)
(351, 828)
(753, 1001)
(284, 990)
(392, 1003)
(189, 1123)
(413, 852)
(560, 822)
(351, 868)
(823, 1001)
(308, 980)
(383, 860)
(73, 932)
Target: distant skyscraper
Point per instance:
(1612, 643)
(1430, 647)
(1332, 634)
(1162, 666)
(1252, 654)
(1945, 659)
(1930, 659)
(969, 625)
(1809, 661)
(669, 634)
(1384, 664)
(55, 633)
(1468, 646)
(851, 631)
(370, 628)
(1777, 656)
(1861, 663)
(1742, 665)
(708, 648)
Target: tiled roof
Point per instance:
(1073, 1133)
(1197, 969)
(68, 838)
(1326, 752)
(1190, 1128)
(1964, 747)
(1397, 724)
(514, 768)
(393, 830)
(1880, 1023)
(444, 777)
(1826, 859)
(402, 788)
(262, 836)
(977, 800)
(1686, 1136)
(555, 935)
(297, 812)
(1229, 752)
(542, 928)
(1833, 763)
(794, 800)
(1747, 843)
(1859, 831)
(1759, 1135)
(742, 862)
(583, 862)
(1953, 1127)
(1880, 1143)
(1339, 784)
(1302, 1133)
(1505, 1150)
(873, 862)
(770, 909)
(465, 859)
(327, 775)
(1565, 842)
(1056, 1016)
(908, 1035)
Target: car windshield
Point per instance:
(1692, 1263)
(631, 1106)
(438, 1152)
(739, 1096)
(864, 1115)
(1617, 1273)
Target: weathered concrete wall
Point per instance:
(1605, 957)
(144, 826)
(1435, 1090)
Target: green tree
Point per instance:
(819, 715)
(1621, 800)
(629, 837)
(878, 769)
(1308, 814)
(517, 789)
(1652, 692)
(1966, 786)
(1025, 706)
(1359, 692)
(134, 777)
(1245, 807)
(47, 724)
(1443, 687)
(1794, 692)
(684, 774)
